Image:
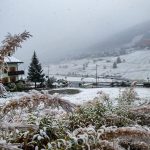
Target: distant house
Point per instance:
(11, 72)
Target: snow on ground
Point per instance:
(87, 94)
(135, 65)
(12, 96)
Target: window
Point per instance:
(12, 69)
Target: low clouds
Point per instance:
(60, 27)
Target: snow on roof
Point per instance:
(11, 59)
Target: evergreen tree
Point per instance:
(114, 65)
(35, 72)
(118, 60)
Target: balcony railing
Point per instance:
(15, 73)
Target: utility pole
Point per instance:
(48, 71)
(96, 74)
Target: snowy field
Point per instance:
(89, 94)
(135, 65)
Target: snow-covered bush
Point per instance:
(96, 125)
(33, 102)
(109, 138)
(127, 96)
(49, 130)
(141, 114)
(92, 113)
(126, 100)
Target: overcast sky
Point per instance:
(60, 27)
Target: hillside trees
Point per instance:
(35, 72)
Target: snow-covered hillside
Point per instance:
(135, 65)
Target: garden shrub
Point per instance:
(95, 125)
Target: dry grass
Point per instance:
(32, 101)
(114, 133)
(141, 109)
(11, 43)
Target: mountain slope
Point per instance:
(135, 65)
(137, 36)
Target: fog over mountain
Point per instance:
(63, 28)
(135, 37)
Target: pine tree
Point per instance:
(35, 72)
(114, 65)
(118, 60)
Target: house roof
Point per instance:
(11, 59)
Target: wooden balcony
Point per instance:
(15, 73)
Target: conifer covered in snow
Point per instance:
(118, 60)
(35, 72)
(114, 65)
